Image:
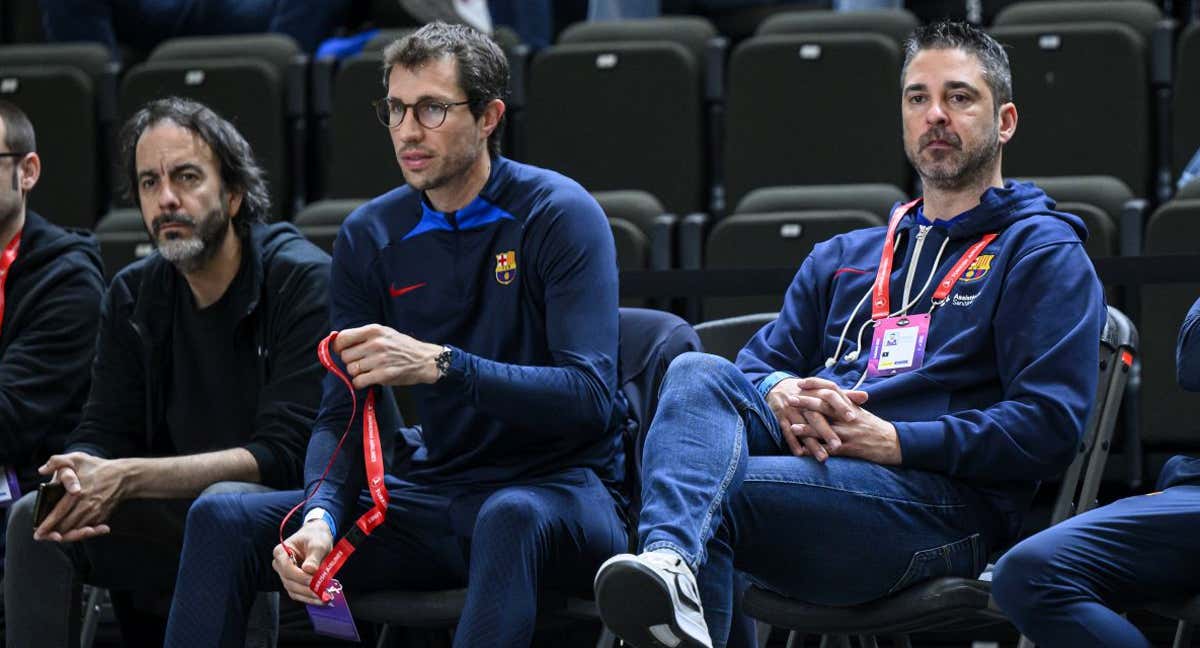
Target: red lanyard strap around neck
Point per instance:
(6, 260)
(881, 291)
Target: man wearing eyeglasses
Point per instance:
(490, 288)
(50, 288)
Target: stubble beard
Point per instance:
(975, 165)
(453, 168)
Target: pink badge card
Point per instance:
(898, 345)
(333, 619)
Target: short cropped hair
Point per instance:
(18, 130)
(240, 172)
(482, 68)
(952, 34)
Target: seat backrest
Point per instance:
(777, 240)
(361, 162)
(1186, 130)
(1081, 482)
(62, 88)
(1101, 64)
(320, 222)
(279, 50)
(875, 198)
(1138, 15)
(620, 115)
(1168, 413)
(692, 32)
(649, 341)
(784, 92)
(123, 240)
(896, 24)
(726, 337)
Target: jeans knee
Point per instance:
(695, 369)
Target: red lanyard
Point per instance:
(6, 261)
(372, 457)
(881, 297)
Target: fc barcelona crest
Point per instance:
(506, 267)
(978, 268)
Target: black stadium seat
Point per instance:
(319, 222)
(68, 92)
(625, 112)
(875, 198)
(1081, 53)
(780, 239)
(813, 109)
(1168, 414)
(123, 240)
(896, 24)
(257, 82)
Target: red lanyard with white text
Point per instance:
(373, 458)
(881, 296)
(6, 261)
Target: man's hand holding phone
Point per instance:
(92, 488)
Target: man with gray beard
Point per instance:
(206, 372)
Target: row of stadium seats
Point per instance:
(655, 105)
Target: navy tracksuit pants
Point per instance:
(503, 543)
(1066, 586)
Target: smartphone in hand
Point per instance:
(48, 495)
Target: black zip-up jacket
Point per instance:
(51, 314)
(285, 315)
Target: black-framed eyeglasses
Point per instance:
(14, 154)
(430, 113)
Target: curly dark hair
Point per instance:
(240, 172)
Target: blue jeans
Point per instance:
(145, 23)
(720, 489)
(503, 543)
(1067, 585)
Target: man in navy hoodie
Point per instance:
(892, 424)
(490, 288)
(1068, 585)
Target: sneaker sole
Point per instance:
(632, 599)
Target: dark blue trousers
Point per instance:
(504, 543)
(1066, 586)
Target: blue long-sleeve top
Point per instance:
(1009, 372)
(522, 284)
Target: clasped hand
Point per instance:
(818, 418)
(94, 488)
(379, 355)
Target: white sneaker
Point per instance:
(651, 601)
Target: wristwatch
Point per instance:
(442, 361)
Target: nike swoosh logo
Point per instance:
(396, 292)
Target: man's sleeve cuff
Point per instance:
(320, 513)
(922, 444)
(772, 379)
